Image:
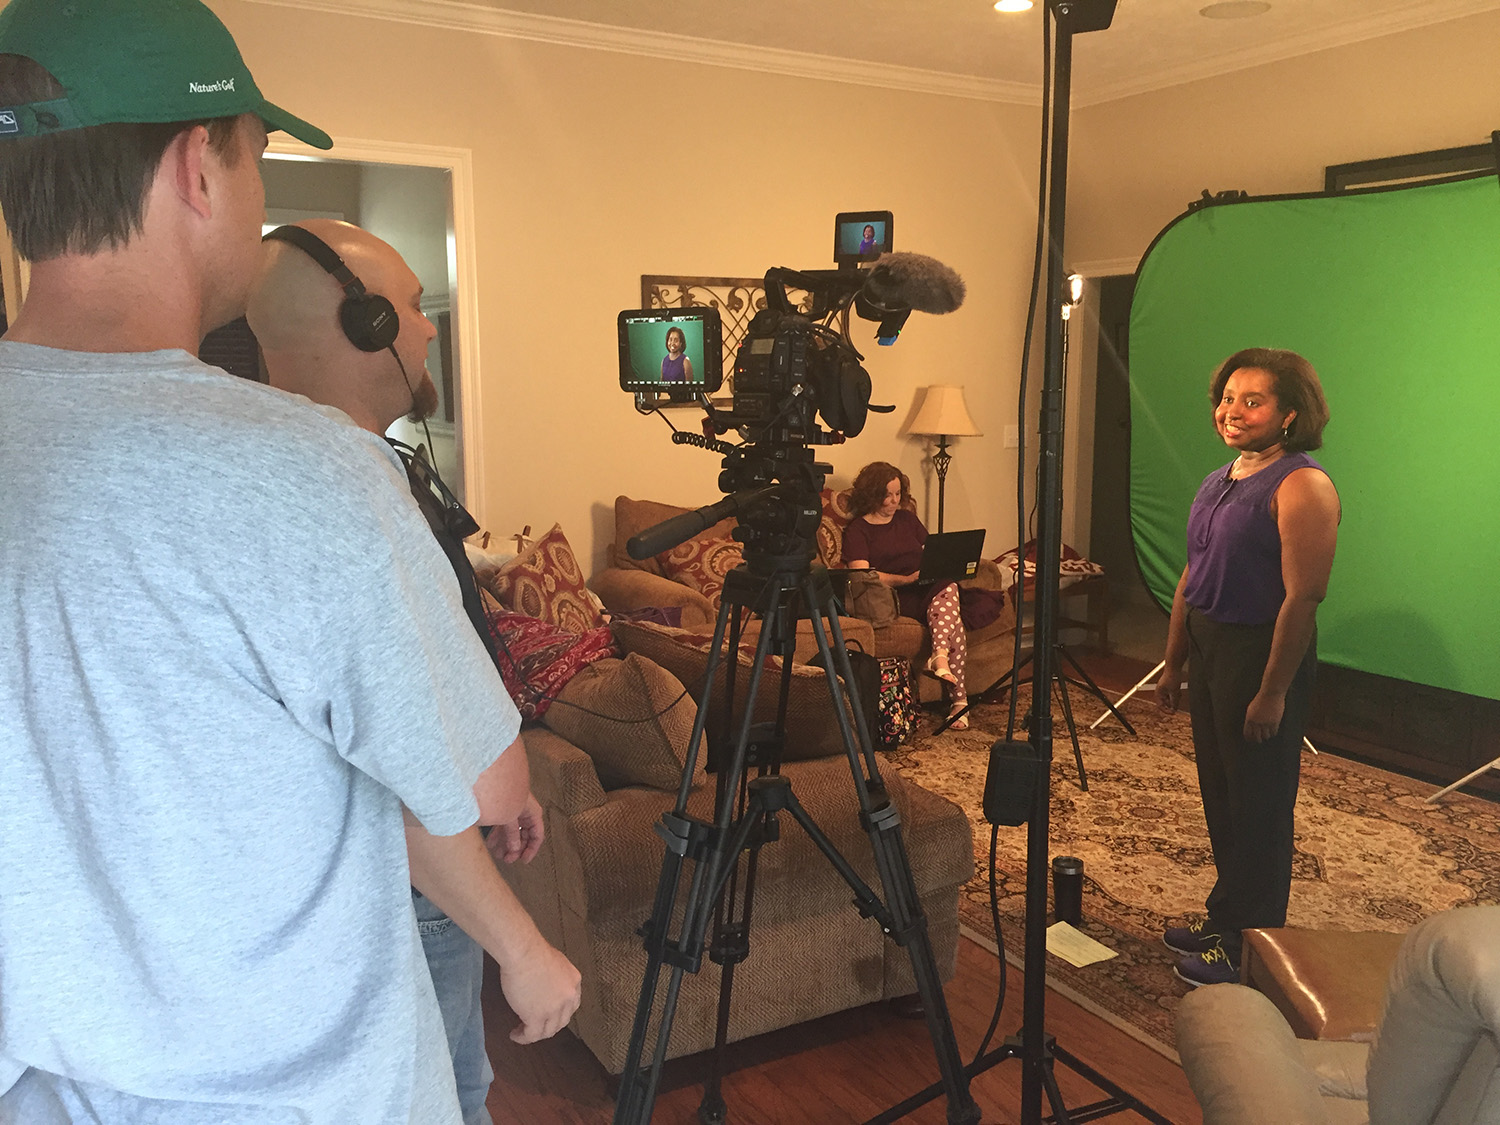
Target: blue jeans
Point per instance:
(457, 966)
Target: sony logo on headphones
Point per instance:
(8, 122)
(222, 86)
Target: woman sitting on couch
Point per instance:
(886, 537)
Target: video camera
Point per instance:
(795, 368)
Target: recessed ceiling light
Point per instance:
(1235, 9)
(1012, 5)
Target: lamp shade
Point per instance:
(943, 412)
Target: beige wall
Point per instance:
(593, 168)
(1139, 161)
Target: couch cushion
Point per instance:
(634, 516)
(702, 564)
(812, 726)
(546, 582)
(538, 658)
(632, 717)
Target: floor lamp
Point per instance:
(942, 414)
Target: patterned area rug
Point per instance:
(1370, 855)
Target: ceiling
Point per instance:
(944, 46)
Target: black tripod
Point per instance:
(778, 588)
(1060, 682)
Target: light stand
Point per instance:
(943, 415)
(1034, 1047)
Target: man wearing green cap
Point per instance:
(219, 700)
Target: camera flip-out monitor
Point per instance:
(861, 236)
(676, 352)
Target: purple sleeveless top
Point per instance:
(1234, 546)
(671, 369)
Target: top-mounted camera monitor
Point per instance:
(676, 352)
(861, 236)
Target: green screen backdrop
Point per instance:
(1394, 295)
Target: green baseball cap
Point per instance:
(133, 61)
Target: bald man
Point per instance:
(294, 311)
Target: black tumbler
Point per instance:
(1067, 890)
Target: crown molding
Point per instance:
(456, 15)
(459, 15)
(1417, 15)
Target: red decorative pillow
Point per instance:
(1072, 567)
(702, 564)
(836, 517)
(546, 581)
(537, 658)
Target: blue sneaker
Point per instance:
(1211, 967)
(1194, 938)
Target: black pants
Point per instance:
(1249, 788)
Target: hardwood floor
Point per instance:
(850, 1066)
(842, 1068)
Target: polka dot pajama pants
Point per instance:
(946, 625)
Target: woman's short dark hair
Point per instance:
(1297, 388)
(870, 484)
(80, 190)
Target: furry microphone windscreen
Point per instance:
(913, 281)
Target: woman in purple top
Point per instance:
(675, 365)
(887, 538)
(1261, 537)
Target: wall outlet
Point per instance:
(1012, 437)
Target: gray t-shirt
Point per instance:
(233, 651)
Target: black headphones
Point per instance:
(368, 319)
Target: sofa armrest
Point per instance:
(1242, 1061)
(625, 590)
(562, 776)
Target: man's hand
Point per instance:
(522, 838)
(460, 877)
(1263, 716)
(544, 992)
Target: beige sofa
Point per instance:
(604, 784)
(626, 584)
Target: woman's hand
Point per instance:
(1169, 688)
(1263, 716)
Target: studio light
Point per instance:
(1013, 5)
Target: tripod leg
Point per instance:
(1067, 709)
(705, 844)
(907, 925)
(1054, 1095)
(1094, 689)
(731, 938)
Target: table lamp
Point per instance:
(941, 413)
